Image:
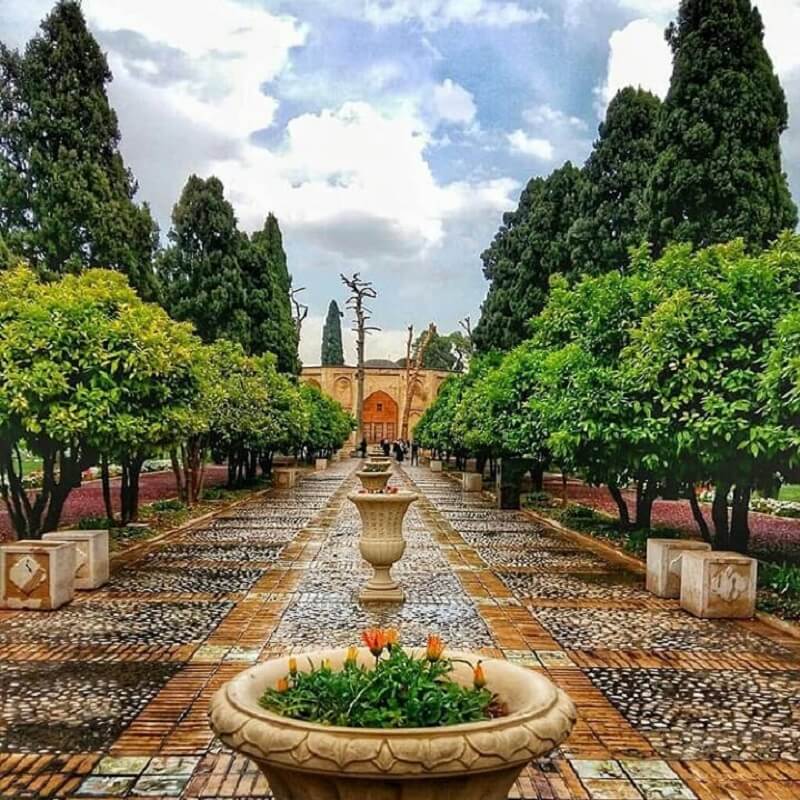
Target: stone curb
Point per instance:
(632, 562)
(121, 554)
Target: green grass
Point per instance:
(790, 492)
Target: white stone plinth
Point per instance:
(436, 465)
(285, 477)
(91, 555)
(37, 575)
(718, 584)
(664, 564)
(472, 482)
(321, 464)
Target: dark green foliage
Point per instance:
(332, 350)
(718, 173)
(612, 218)
(228, 284)
(439, 353)
(268, 298)
(203, 279)
(400, 692)
(66, 197)
(530, 246)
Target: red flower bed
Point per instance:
(87, 501)
(777, 536)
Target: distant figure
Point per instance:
(386, 447)
(363, 447)
(414, 454)
(398, 451)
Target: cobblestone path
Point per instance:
(107, 697)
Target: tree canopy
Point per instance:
(66, 197)
(718, 174)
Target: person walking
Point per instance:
(386, 447)
(363, 447)
(414, 454)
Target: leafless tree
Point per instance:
(300, 310)
(360, 290)
(414, 362)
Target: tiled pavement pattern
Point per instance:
(107, 698)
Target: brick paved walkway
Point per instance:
(107, 697)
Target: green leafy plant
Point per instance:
(401, 690)
(168, 505)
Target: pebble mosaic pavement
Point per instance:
(107, 697)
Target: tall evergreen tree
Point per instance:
(612, 200)
(201, 271)
(66, 197)
(332, 350)
(718, 173)
(269, 299)
(530, 246)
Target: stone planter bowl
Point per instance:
(475, 761)
(381, 542)
(374, 481)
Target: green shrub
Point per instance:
(168, 505)
(94, 523)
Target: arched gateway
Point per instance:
(380, 417)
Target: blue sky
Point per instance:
(388, 136)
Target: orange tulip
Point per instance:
(293, 666)
(478, 678)
(435, 648)
(282, 685)
(375, 640)
(391, 636)
(352, 655)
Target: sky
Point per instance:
(388, 136)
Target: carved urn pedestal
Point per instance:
(382, 542)
(472, 761)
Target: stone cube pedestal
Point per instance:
(91, 555)
(321, 464)
(436, 465)
(36, 574)
(472, 482)
(285, 478)
(664, 564)
(718, 584)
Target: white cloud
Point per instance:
(530, 146)
(546, 115)
(453, 103)
(436, 14)
(389, 343)
(638, 56)
(781, 24)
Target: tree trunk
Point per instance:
(622, 506)
(105, 480)
(740, 528)
(565, 493)
(646, 493)
(537, 477)
(697, 513)
(719, 516)
(180, 477)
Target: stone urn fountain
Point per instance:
(374, 480)
(382, 542)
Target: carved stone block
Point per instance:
(718, 584)
(285, 477)
(472, 481)
(664, 564)
(436, 465)
(37, 574)
(91, 555)
(321, 464)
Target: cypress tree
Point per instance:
(201, 271)
(332, 350)
(530, 246)
(271, 311)
(718, 173)
(66, 197)
(612, 200)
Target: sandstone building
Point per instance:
(384, 393)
